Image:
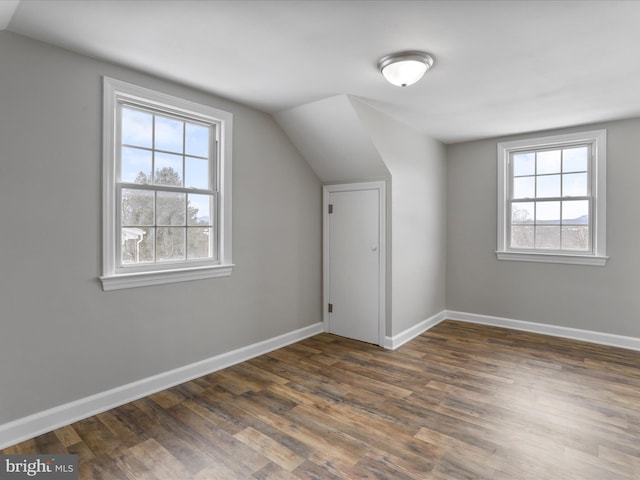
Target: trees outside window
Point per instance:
(166, 190)
(551, 199)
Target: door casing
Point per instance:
(350, 187)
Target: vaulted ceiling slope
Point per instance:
(7, 9)
(333, 140)
(500, 67)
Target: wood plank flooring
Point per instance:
(459, 402)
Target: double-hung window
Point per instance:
(167, 165)
(551, 199)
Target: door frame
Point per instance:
(380, 187)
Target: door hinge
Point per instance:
(330, 308)
(331, 208)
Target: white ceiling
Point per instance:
(501, 67)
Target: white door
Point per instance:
(353, 268)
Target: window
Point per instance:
(167, 184)
(551, 199)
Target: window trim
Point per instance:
(598, 174)
(114, 92)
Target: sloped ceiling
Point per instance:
(332, 139)
(7, 9)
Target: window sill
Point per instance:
(593, 260)
(145, 279)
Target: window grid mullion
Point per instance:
(165, 188)
(155, 224)
(561, 199)
(159, 150)
(127, 250)
(548, 199)
(561, 194)
(535, 202)
(186, 196)
(153, 149)
(573, 159)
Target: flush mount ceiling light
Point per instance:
(405, 68)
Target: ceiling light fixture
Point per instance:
(405, 68)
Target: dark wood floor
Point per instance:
(459, 402)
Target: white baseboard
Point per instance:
(48, 420)
(630, 343)
(391, 343)
(43, 422)
(620, 341)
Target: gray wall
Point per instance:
(603, 299)
(418, 169)
(62, 337)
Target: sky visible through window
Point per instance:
(550, 199)
(174, 140)
(173, 221)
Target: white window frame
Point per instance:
(597, 139)
(117, 277)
